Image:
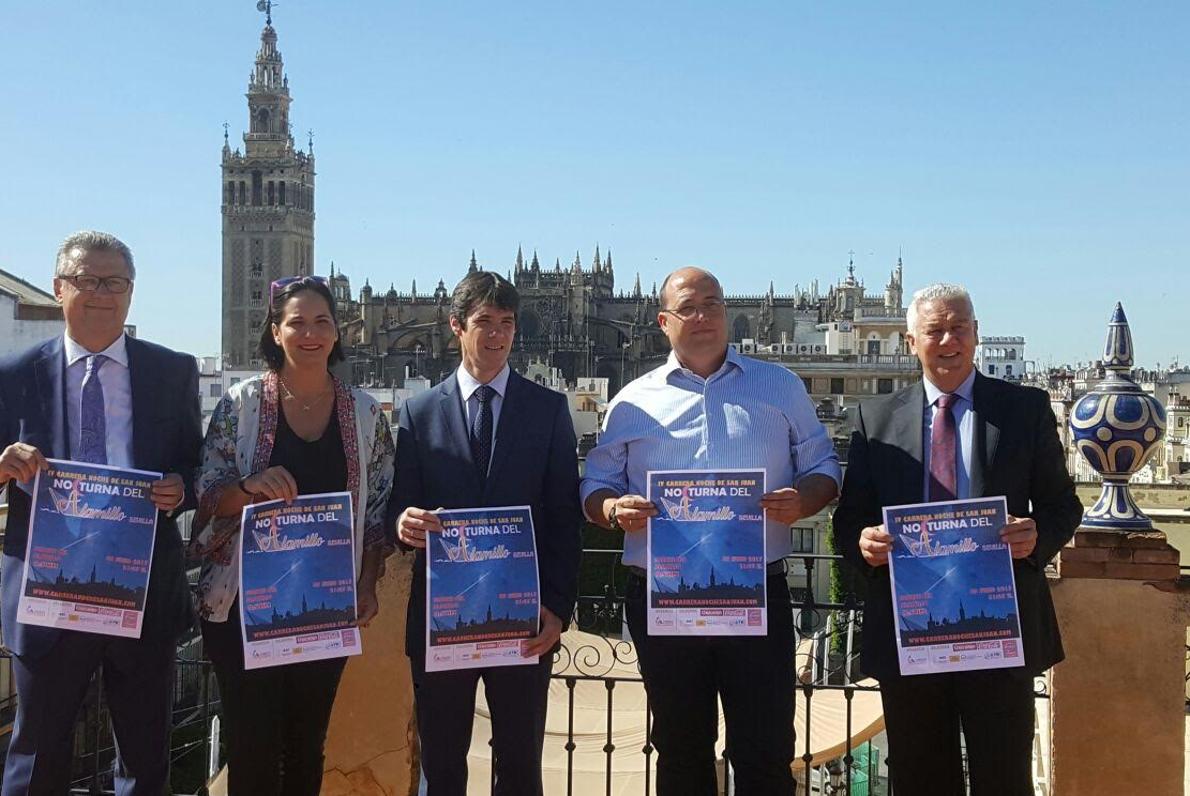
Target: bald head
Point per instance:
(685, 276)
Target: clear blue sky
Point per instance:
(1037, 154)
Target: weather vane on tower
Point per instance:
(267, 7)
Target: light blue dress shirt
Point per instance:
(468, 384)
(964, 423)
(748, 414)
(117, 398)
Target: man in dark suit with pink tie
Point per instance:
(957, 435)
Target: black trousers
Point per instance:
(754, 679)
(445, 704)
(923, 715)
(138, 679)
(274, 719)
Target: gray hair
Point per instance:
(939, 291)
(90, 240)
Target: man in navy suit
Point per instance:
(99, 396)
(956, 435)
(487, 437)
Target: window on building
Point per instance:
(991, 371)
(874, 347)
(884, 386)
(257, 189)
(272, 195)
(216, 390)
(281, 193)
(802, 540)
(1012, 354)
(836, 386)
(231, 193)
(243, 193)
(1181, 424)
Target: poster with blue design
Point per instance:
(297, 580)
(482, 588)
(90, 546)
(706, 553)
(954, 591)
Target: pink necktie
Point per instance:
(942, 451)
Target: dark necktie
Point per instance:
(943, 481)
(481, 431)
(93, 421)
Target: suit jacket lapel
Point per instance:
(139, 380)
(451, 405)
(987, 435)
(509, 419)
(908, 433)
(50, 373)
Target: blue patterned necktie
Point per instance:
(93, 426)
(481, 431)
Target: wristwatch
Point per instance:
(612, 521)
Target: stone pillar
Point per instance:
(1116, 702)
(369, 745)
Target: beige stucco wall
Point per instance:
(1117, 700)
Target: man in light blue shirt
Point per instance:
(710, 408)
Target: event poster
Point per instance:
(482, 588)
(297, 580)
(954, 592)
(89, 549)
(706, 553)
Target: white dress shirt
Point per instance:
(117, 399)
(749, 414)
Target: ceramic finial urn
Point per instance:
(1117, 426)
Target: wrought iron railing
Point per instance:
(826, 664)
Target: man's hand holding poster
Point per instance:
(954, 592)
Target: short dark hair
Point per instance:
(272, 354)
(483, 288)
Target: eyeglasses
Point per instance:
(709, 309)
(89, 284)
(278, 285)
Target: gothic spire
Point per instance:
(607, 263)
(578, 265)
(636, 286)
(598, 265)
(536, 266)
(520, 260)
(474, 266)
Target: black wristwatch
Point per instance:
(240, 484)
(612, 521)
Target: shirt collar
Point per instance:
(468, 384)
(117, 351)
(734, 359)
(964, 391)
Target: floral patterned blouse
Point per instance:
(239, 442)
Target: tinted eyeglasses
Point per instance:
(710, 309)
(89, 284)
(284, 282)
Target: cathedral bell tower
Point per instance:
(268, 205)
